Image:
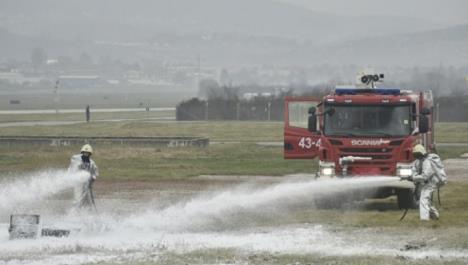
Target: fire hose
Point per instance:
(409, 178)
(91, 193)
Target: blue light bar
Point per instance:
(355, 90)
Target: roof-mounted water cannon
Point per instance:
(366, 83)
(369, 79)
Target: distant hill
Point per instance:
(448, 46)
(13, 45)
(223, 32)
(124, 20)
(19, 47)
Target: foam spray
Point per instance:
(36, 186)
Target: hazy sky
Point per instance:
(445, 11)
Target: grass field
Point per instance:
(452, 132)
(245, 131)
(230, 158)
(157, 163)
(215, 130)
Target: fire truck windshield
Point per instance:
(367, 120)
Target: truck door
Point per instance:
(299, 142)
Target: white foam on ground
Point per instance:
(197, 225)
(306, 240)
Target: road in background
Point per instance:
(52, 111)
(56, 123)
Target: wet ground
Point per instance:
(213, 220)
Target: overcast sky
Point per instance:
(448, 12)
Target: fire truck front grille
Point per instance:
(378, 155)
(375, 158)
(366, 150)
(370, 163)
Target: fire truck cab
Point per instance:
(362, 130)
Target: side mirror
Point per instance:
(423, 124)
(312, 120)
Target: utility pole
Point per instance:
(197, 79)
(56, 97)
(148, 110)
(269, 110)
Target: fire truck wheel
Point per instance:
(406, 199)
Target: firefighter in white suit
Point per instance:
(82, 162)
(430, 174)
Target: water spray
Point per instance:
(201, 212)
(37, 186)
(29, 190)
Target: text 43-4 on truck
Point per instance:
(362, 130)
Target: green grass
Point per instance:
(451, 132)
(215, 130)
(157, 163)
(451, 151)
(167, 163)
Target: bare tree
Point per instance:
(38, 57)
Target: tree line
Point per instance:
(258, 108)
(227, 102)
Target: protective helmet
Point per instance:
(87, 148)
(419, 148)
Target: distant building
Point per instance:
(113, 82)
(252, 95)
(18, 78)
(249, 96)
(11, 77)
(52, 61)
(79, 81)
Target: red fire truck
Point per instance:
(362, 130)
